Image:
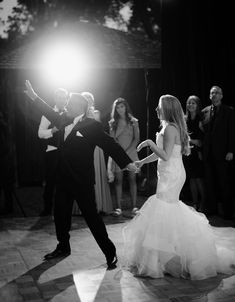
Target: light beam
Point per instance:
(64, 63)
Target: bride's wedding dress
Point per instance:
(167, 236)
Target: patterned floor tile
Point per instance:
(83, 276)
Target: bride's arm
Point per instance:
(168, 143)
(149, 159)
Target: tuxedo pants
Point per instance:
(85, 197)
(51, 160)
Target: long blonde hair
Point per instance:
(91, 101)
(173, 114)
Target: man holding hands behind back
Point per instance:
(75, 176)
(218, 151)
(48, 132)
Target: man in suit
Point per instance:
(76, 176)
(218, 150)
(48, 132)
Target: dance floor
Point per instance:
(83, 276)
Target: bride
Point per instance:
(168, 236)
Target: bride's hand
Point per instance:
(145, 143)
(138, 163)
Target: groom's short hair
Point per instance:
(77, 99)
(61, 91)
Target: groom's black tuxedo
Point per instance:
(77, 153)
(76, 176)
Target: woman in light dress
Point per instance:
(167, 236)
(124, 128)
(102, 190)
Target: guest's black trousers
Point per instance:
(218, 187)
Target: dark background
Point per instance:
(197, 41)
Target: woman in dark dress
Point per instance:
(193, 163)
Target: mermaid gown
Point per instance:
(167, 236)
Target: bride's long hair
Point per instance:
(173, 114)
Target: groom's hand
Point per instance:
(132, 168)
(54, 129)
(30, 91)
(139, 164)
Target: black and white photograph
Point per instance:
(117, 142)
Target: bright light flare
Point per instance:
(64, 64)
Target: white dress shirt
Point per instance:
(44, 132)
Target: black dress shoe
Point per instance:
(111, 263)
(57, 253)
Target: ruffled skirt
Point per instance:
(173, 238)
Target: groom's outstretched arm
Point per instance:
(111, 147)
(54, 117)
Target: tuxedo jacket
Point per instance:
(219, 136)
(76, 152)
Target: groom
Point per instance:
(75, 177)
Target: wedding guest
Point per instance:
(91, 103)
(218, 152)
(102, 190)
(47, 131)
(124, 128)
(193, 163)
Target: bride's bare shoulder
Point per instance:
(172, 132)
(171, 128)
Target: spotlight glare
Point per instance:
(64, 63)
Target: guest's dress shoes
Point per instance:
(58, 253)
(111, 262)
